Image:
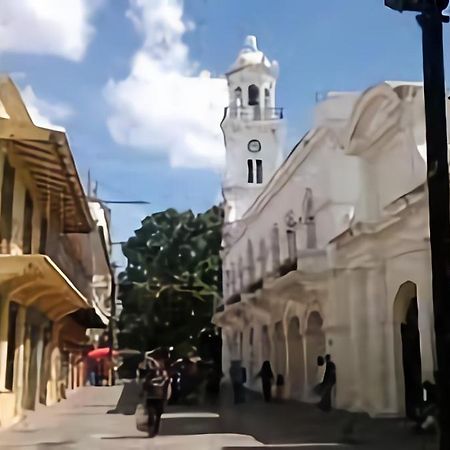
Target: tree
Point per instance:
(172, 281)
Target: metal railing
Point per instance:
(254, 113)
(61, 251)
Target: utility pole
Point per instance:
(430, 20)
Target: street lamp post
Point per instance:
(430, 20)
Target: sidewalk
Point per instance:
(290, 422)
(102, 418)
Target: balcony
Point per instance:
(62, 252)
(254, 113)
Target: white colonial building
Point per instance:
(329, 251)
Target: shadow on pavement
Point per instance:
(124, 437)
(128, 400)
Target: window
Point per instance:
(250, 177)
(292, 245)
(253, 95)
(259, 172)
(252, 166)
(43, 237)
(7, 198)
(251, 336)
(238, 97)
(11, 349)
(27, 224)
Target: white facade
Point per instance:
(332, 253)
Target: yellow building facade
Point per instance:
(45, 271)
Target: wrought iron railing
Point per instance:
(254, 113)
(61, 250)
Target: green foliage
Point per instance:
(172, 280)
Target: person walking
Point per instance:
(266, 376)
(329, 380)
(237, 381)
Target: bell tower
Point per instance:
(253, 129)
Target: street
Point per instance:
(102, 418)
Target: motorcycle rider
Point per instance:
(156, 390)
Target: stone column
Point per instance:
(377, 358)
(426, 327)
(19, 359)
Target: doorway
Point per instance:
(296, 359)
(412, 364)
(408, 353)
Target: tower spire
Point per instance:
(250, 43)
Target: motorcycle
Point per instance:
(155, 392)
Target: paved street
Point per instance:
(101, 418)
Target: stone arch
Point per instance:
(368, 119)
(238, 97)
(253, 95)
(407, 350)
(296, 363)
(280, 349)
(231, 337)
(315, 346)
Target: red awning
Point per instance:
(100, 353)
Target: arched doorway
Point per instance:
(265, 344)
(296, 358)
(408, 356)
(280, 349)
(315, 346)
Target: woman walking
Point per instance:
(266, 376)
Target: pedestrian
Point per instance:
(237, 380)
(279, 383)
(266, 376)
(328, 383)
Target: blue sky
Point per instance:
(123, 77)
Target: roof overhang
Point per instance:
(45, 154)
(35, 280)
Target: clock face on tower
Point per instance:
(254, 146)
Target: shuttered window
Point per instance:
(259, 171)
(27, 224)
(43, 237)
(7, 198)
(250, 177)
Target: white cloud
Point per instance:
(53, 27)
(42, 112)
(167, 105)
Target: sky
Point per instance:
(139, 84)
